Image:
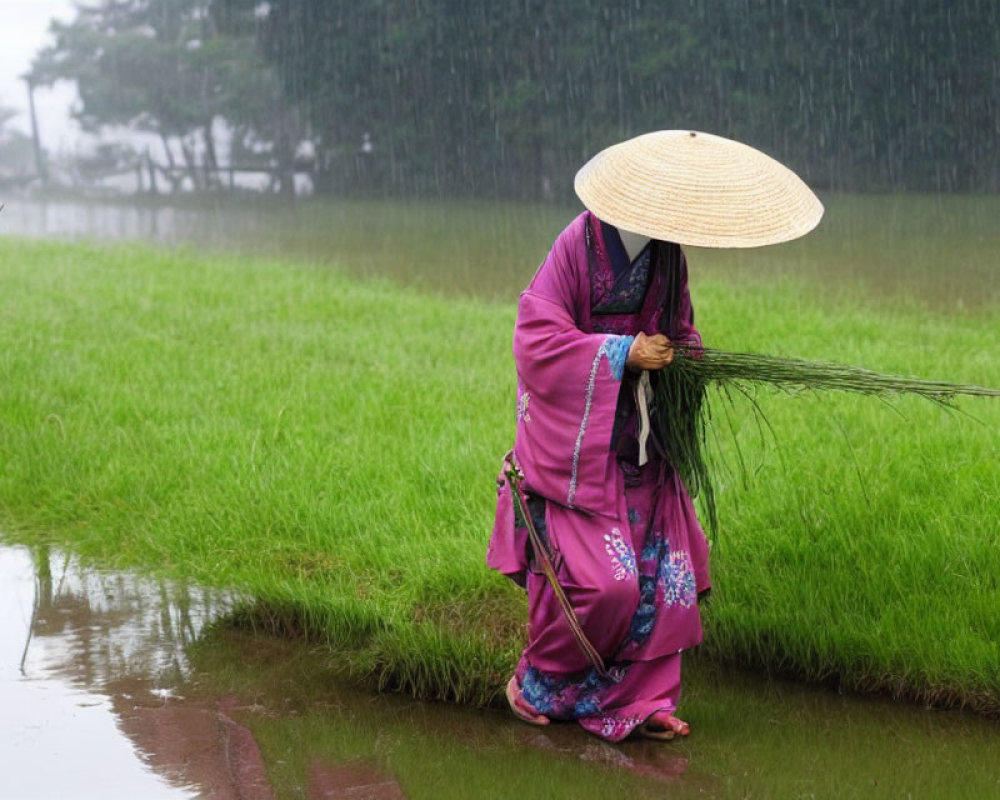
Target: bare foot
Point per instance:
(521, 707)
(664, 725)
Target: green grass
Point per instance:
(329, 448)
(864, 550)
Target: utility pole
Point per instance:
(40, 166)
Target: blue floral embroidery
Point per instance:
(677, 580)
(586, 707)
(644, 617)
(617, 348)
(654, 554)
(622, 556)
(569, 697)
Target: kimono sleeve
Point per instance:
(568, 385)
(686, 333)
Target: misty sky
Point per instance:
(23, 30)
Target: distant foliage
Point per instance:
(16, 153)
(172, 68)
(477, 96)
(508, 99)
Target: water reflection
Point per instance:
(98, 680)
(488, 250)
(112, 686)
(82, 652)
(938, 250)
(70, 219)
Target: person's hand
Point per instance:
(650, 352)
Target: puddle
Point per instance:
(83, 654)
(112, 686)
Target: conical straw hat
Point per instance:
(697, 189)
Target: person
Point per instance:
(603, 316)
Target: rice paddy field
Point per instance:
(327, 443)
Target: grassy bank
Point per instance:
(329, 447)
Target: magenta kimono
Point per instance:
(627, 546)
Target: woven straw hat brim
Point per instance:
(697, 189)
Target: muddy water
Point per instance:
(939, 251)
(116, 686)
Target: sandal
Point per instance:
(522, 709)
(661, 734)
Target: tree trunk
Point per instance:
(172, 175)
(211, 161)
(192, 166)
(40, 166)
(285, 158)
(151, 167)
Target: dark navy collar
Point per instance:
(618, 255)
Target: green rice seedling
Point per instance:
(328, 447)
(681, 413)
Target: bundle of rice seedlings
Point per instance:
(681, 414)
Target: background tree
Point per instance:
(17, 156)
(470, 97)
(168, 67)
(509, 98)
